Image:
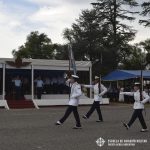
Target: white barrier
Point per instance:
(3, 103)
(55, 100)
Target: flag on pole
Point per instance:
(72, 60)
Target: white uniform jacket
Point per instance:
(97, 95)
(75, 93)
(138, 104)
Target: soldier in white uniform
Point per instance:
(73, 101)
(138, 107)
(99, 91)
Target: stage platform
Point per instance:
(56, 100)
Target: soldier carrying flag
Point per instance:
(74, 94)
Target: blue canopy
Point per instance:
(125, 74)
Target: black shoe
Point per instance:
(77, 127)
(58, 123)
(144, 130)
(99, 120)
(84, 117)
(125, 125)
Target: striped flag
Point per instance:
(72, 60)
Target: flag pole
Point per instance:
(141, 79)
(69, 73)
(72, 63)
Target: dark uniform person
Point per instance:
(138, 107)
(73, 102)
(98, 93)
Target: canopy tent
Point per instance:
(125, 74)
(30, 69)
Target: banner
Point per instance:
(72, 60)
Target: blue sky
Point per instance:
(19, 17)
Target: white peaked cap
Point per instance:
(75, 76)
(137, 83)
(96, 77)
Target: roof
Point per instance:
(125, 74)
(49, 64)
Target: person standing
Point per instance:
(138, 107)
(39, 87)
(47, 85)
(121, 96)
(99, 91)
(61, 83)
(73, 102)
(17, 84)
(54, 83)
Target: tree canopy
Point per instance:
(36, 46)
(101, 34)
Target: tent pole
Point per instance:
(91, 81)
(117, 84)
(32, 81)
(4, 66)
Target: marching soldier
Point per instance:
(99, 91)
(73, 102)
(138, 107)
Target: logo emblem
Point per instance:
(100, 142)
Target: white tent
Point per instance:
(43, 64)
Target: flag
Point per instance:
(72, 60)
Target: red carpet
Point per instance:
(19, 104)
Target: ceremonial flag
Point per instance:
(72, 60)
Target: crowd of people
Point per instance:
(20, 86)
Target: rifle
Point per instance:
(141, 85)
(99, 84)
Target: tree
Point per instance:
(86, 36)
(112, 12)
(145, 12)
(146, 47)
(137, 53)
(61, 52)
(133, 59)
(37, 46)
(100, 33)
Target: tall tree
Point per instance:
(37, 46)
(145, 12)
(86, 35)
(114, 12)
(100, 33)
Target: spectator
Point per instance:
(39, 87)
(17, 83)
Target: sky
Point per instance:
(19, 17)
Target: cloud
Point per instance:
(19, 18)
(10, 24)
(60, 2)
(54, 20)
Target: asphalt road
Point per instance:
(32, 129)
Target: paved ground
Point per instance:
(33, 129)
